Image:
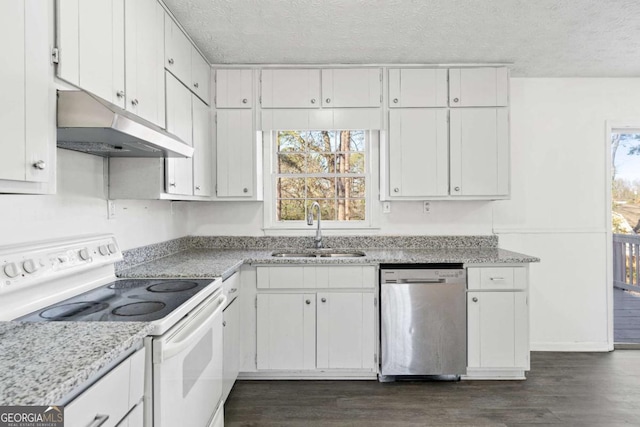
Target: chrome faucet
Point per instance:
(318, 238)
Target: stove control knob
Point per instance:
(112, 248)
(30, 266)
(84, 254)
(11, 270)
(104, 250)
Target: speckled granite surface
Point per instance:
(223, 262)
(41, 363)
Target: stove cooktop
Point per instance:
(128, 300)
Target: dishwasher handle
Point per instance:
(413, 281)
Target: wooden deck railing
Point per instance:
(626, 261)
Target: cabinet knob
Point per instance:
(328, 100)
(197, 187)
(196, 85)
(120, 94)
(172, 184)
(395, 100)
(474, 299)
(455, 99)
(245, 100)
(396, 190)
(224, 323)
(245, 190)
(134, 102)
(323, 300)
(40, 164)
(170, 61)
(457, 189)
(308, 302)
(313, 100)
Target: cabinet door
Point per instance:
(286, 331)
(497, 330)
(235, 153)
(345, 331)
(177, 51)
(180, 123)
(24, 68)
(290, 88)
(479, 151)
(234, 88)
(203, 154)
(478, 87)
(417, 87)
(200, 76)
(144, 47)
(135, 418)
(231, 347)
(418, 153)
(357, 87)
(101, 49)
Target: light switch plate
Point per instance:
(111, 209)
(427, 207)
(386, 207)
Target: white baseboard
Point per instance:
(308, 375)
(571, 346)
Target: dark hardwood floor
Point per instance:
(569, 389)
(626, 316)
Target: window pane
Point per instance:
(322, 163)
(321, 141)
(357, 140)
(291, 163)
(351, 210)
(327, 208)
(350, 163)
(290, 210)
(290, 141)
(321, 188)
(350, 187)
(290, 188)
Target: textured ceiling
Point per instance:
(541, 38)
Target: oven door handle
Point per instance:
(192, 330)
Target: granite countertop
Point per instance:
(42, 363)
(216, 262)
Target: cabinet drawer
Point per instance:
(311, 277)
(497, 278)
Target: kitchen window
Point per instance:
(331, 167)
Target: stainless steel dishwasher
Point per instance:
(423, 320)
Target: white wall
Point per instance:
(80, 207)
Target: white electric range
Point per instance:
(74, 280)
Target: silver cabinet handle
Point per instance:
(233, 290)
(99, 420)
(455, 99)
(313, 100)
(474, 299)
(40, 164)
(496, 278)
(170, 61)
(457, 188)
(395, 100)
(328, 100)
(323, 300)
(245, 100)
(134, 102)
(308, 302)
(196, 85)
(172, 184)
(120, 94)
(245, 190)
(396, 190)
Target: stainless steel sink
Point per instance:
(319, 254)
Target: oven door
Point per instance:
(187, 368)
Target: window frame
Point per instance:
(371, 195)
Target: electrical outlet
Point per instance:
(427, 207)
(386, 207)
(111, 209)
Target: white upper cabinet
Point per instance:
(25, 115)
(479, 87)
(418, 152)
(234, 88)
(479, 151)
(235, 154)
(91, 43)
(203, 152)
(200, 76)
(295, 88)
(351, 87)
(179, 172)
(417, 87)
(177, 51)
(144, 48)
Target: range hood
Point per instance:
(94, 126)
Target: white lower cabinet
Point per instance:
(497, 323)
(110, 399)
